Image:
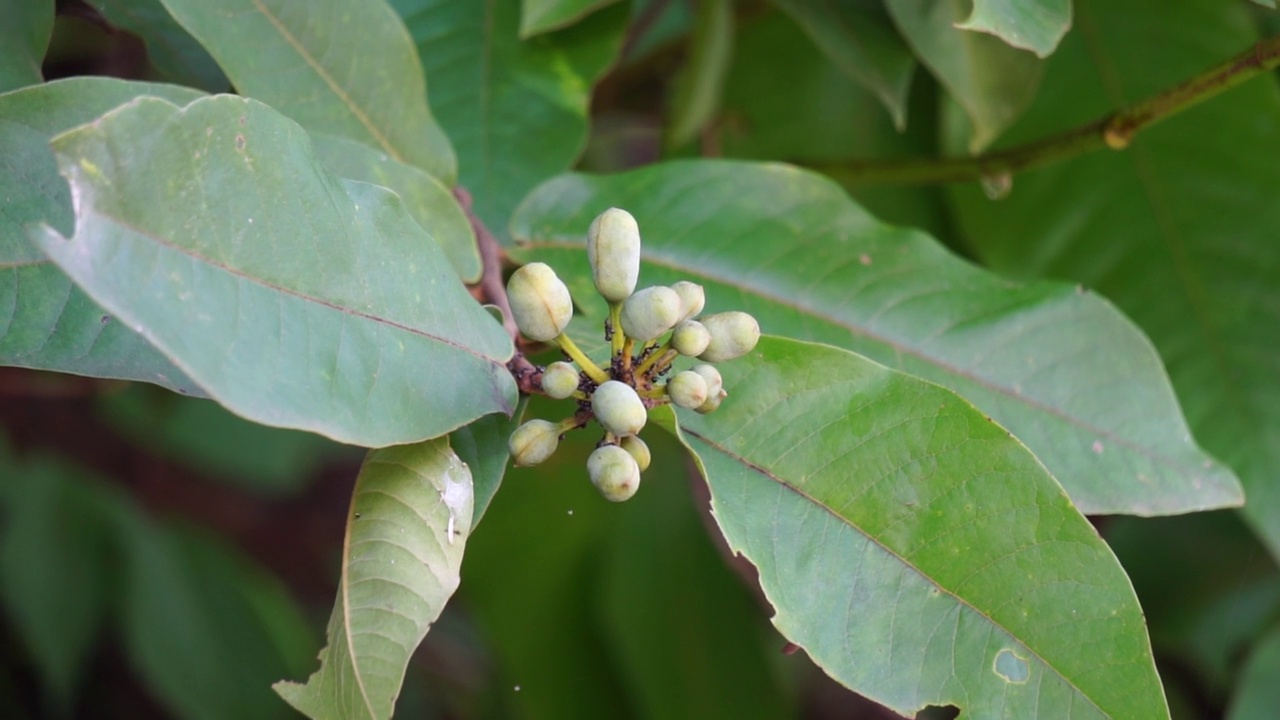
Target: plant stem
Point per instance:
(569, 346)
(1114, 131)
(617, 338)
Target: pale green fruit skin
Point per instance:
(560, 380)
(690, 338)
(614, 472)
(733, 334)
(533, 442)
(618, 408)
(540, 302)
(711, 405)
(613, 249)
(715, 382)
(692, 297)
(651, 312)
(687, 389)
(638, 449)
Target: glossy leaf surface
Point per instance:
(409, 521)
(539, 16)
(1035, 25)
(1059, 367)
(516, 110)
(1180, 230)
(915, 550)
(293, 297)
(343, 67)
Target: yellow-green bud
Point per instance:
(614, 472)
(638, 449)
(613, 249)
(690, 338)
(559, 380)
(540, 302)
(733, 334)
(533, 442)
(715, 383)
(692, 298)
(650, 313)
(618, 408)
(711, 405)
(687, 389)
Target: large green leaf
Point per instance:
(539, 16)
(992, 81)
(174, 53)
(344, 67)
(411, 504)
(482, 445)
(1055, 364)
(1258, 694)
(1180, 230)
(915, 550)
(515, 109)
(1035, 25)
(24, 35)
(47, 322)
(860, 39)
(293, 297)
(426, 198)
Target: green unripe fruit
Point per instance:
(711, 405)
(614, 472)
(690, 338)
(540, 302)
(715, 383)
(618, 408)
(692, 297)
(560, 380)
(613, 248)
(733, 334)
(533, 442)
(687, 389)
(638, 449)
(650, 313)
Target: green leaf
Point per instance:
(175, 54)
(539, 16)
(915, 550)
(24, 35)
(54, 568)
(482, 445)
(409, 521)
(992, 81)
(294, 298)
(1058, 366)
(1258, 695)
(46, 322)
(426, 198)
(860, 39)
(1179, 230)
(1035, 25)
(342, 67)
(516, 110)
(700, 83)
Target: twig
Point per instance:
(1113, 131)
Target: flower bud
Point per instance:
(650, 313)
(638, 449)
(614, 472)
(613, 249)
(715, 383)
(618, 408)
(687, 389)
(711, 405)
(692, 298)
(559, 380)
(540, 302)
(690, 338)
(733, 334)
(533, 442)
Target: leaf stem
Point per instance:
(567, 344)
(1114, 131)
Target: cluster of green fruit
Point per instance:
(620, 396)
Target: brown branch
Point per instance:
(1114, 131)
